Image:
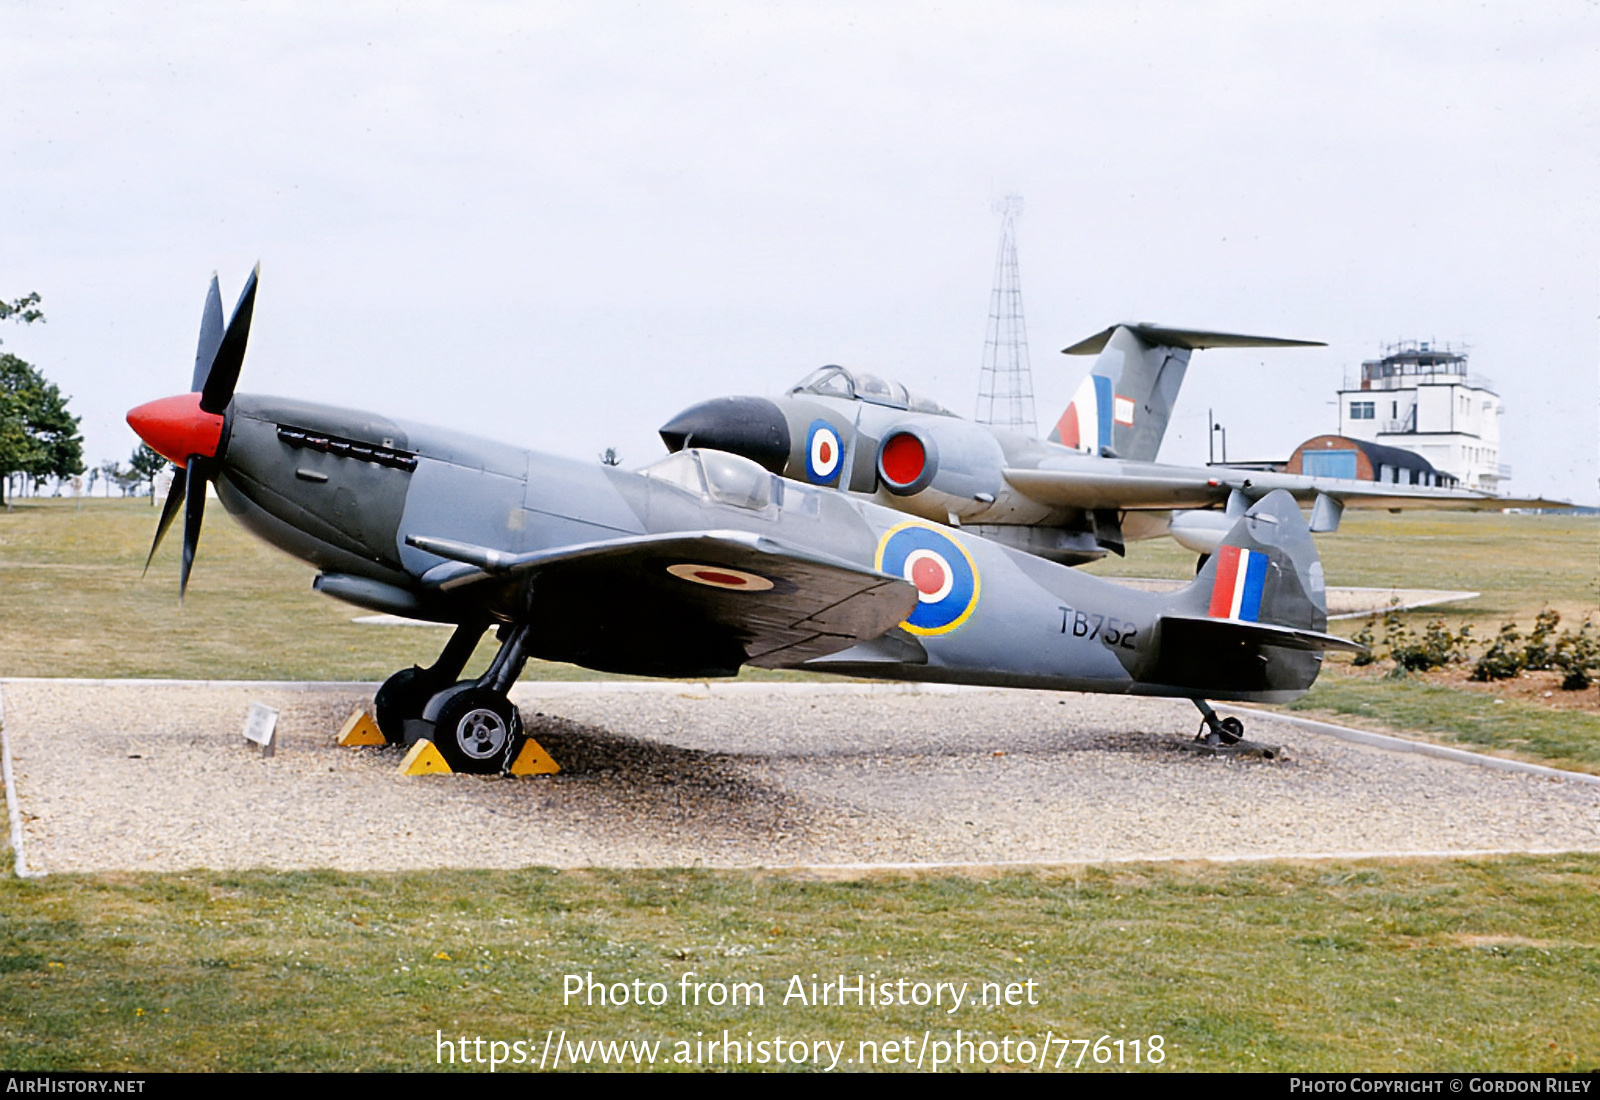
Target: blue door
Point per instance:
(1329, 464)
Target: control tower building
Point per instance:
(1422, 399)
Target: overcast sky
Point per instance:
(559, 224)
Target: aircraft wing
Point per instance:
(1114, 488)
(781, 604)
(1133, 486)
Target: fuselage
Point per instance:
(934, 465)
(343, 490)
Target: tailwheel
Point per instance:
(1215, 730)
(1220, 736)
(478, 731)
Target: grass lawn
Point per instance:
(1477, 720)
(1465, 965)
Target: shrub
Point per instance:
(1538, 653)
(1364, 637)
(1503, 659)
(1577, 655)
(1436, 648)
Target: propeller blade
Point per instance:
(169, 509)
(210, 335)
(194, 510)
(217, 390)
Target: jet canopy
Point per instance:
(835, 381)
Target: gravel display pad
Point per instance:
(156, 776)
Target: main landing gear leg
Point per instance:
(1217, 731)
(475, 726)
(404, 695)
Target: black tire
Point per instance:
(1201, 563)
(478, 732)
(402, 697)
(1232, 731)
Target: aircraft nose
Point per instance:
(177, 427)
(750, 426)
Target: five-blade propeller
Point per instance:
(189, 432)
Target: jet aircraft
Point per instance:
(1089, 488)
(695, 566)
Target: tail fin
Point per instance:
(1253, 623)
(1121, 409)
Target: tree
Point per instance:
(25, 309)
(38, 437)
(112, 473)
(145, 464)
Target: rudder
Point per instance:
(1266, 570)
(1121, 408)
(1252, 625)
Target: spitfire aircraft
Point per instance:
(695, 566)
(1089, 488)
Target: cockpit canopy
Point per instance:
(719, 476)
(835, 381)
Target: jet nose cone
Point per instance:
(177, 427)
(750, 426)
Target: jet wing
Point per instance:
(782, 605)
(1111, 487)
(1133, 486)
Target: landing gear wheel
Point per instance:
(401, 697)
(478, 731)
(1215, 731)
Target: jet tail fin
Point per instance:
(1122, 407)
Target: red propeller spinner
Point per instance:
(177, 427)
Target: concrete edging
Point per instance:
(1421, 748)
(13, 801)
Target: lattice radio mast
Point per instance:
(1005, 387)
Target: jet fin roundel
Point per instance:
(1122, 408)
